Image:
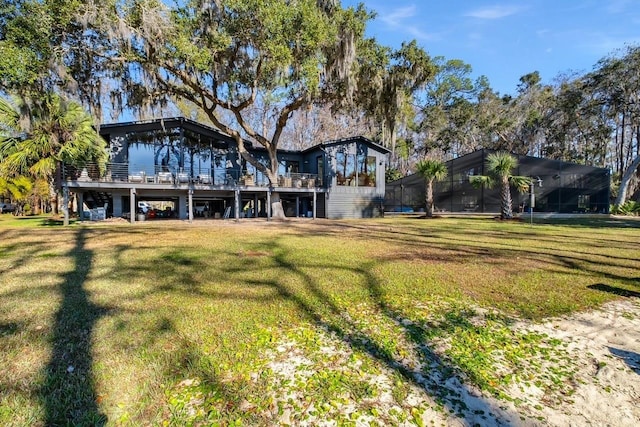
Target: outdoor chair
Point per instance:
(182, 178)
(164, 177)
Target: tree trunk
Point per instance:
(429, 198)
(277, 211)
(505, 197)
(626, 179)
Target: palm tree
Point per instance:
(36, 136)
(431, 170)
(18, 188)
(499, 168)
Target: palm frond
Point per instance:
(432, 169)
(521, 183)
(479, 180)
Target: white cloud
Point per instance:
(493, 12)
(397, 20)
(396, 17)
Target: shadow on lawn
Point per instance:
(616, 290)
(434, 376)
(68, 392)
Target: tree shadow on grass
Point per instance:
(68, 392)
(615, 290)
(434, 376)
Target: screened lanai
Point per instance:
(560, 187)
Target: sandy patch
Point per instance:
(603, 349)
(605, 344)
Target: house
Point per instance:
(559, 187)
(184, 169)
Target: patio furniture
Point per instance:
(164, 178)
(205, 179)
(137, 177)
(182, 178)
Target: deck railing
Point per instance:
(144, 174)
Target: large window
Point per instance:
(345, 168)
(286, 167)
(366, 171)
(352, 170)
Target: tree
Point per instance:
(231, 56)
(54, 131)
(499, 168)
(18, 188)
(616, 85)
(432, 171)
(446, 105)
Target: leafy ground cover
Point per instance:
(305, 322)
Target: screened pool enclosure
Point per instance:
(559, 187)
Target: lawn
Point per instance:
(257, 323)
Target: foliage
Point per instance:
(54, 130)
(630, 207)
(234, 55)
(499, 168)
(392, 174)
(18, 187)
(432, 171)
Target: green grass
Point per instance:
(184, 324)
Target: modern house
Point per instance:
(559, 187)
(184, 169)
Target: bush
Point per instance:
(630, 208)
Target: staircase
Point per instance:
(97, 199)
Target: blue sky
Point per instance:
(506, 39)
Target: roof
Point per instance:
(174, 122)
(349, 140)
(166, 123)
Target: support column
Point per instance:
(117, 205)
(80, 204)
(236, 205)
(297, 206)
(315, 199)
(132, 205)
(65, 204)
(255, 206)
(183, 209)
(190, 205)
(268, 207)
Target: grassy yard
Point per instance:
(197, 324)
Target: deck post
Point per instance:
(132, 205)
(255, 206)
(268, 207)
(297, 206)
(236, 204)
(65, 204)
(79, 204)
(190, 205)
(315, 199)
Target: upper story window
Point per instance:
(286, 167)
(355, 171)
(345, 168)
(366, 171)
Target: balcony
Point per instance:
(136, 174)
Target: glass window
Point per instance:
(366, 171)
(141, 157)
(345, 169)
(286, 167)
(320, 162)
(584, 201)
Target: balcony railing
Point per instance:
(132, 173)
